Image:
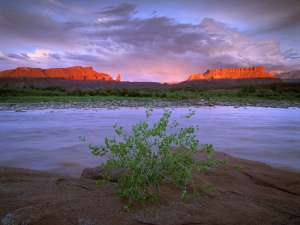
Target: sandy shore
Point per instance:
(240, 192)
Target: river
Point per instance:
(50, 139)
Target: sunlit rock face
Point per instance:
(118, 77)
(232, 73)
(74, 73)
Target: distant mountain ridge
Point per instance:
(72, 73)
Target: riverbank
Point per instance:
(239, 192)
(271, 95)
(115, 102)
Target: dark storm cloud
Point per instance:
(266, 14)
(17, 56)
(122, 11)
(55, 56)
(291, 21)
(19, 23)
(82, 57)
(150, 34)
(165, 36)
(29, 25)
(291, 54)
(157, 35)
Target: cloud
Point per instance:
(86, 58)
(123, 10)
(38, 54)
(284, 22)
(162, 44)
(23, 25)
(2, 56)
(116, 39)
(291, 54)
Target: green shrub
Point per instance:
(148, 155)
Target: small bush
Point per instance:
(146, 154)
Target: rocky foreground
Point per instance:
(240, 192)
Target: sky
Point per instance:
(149, 40)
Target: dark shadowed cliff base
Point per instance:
(240, 192)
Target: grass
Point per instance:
(251, 94)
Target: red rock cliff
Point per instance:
(232, 73)
(75, 73)
(118, 77)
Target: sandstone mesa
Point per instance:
(232, 73)
(73, 73)
(118, 77)
(88, 73)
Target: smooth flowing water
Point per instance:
(49, 139)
